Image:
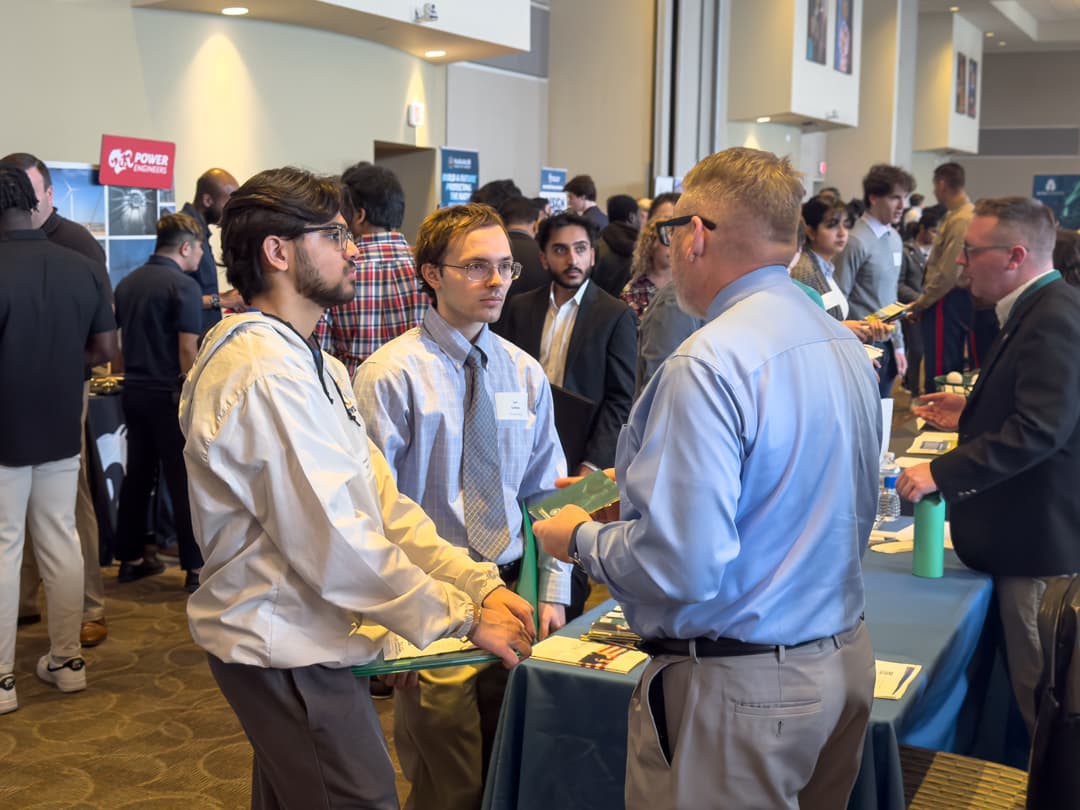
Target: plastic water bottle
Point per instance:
(888, 498)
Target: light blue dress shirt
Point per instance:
(411, 394)
(748, 473)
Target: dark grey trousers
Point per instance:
(317, 738)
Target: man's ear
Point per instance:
(432, 275)
(276, 253)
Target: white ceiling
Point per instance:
(413, 38)
(1022, 25)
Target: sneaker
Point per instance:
(70, 676)
(129, 572)
(191, 581)
(8, 701)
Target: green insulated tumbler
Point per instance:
(929, 557)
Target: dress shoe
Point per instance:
(28, 618)
(93, 633)
(191, 581)
(130, 572)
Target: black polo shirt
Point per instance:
(207, 274)
(154, 304)
(51, 302)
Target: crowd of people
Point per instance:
(348, 450)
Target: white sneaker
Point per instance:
(8, 701)
(70, 676)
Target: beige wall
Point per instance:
(1025, 90)
(600, 92)
(242, 94)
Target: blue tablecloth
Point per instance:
(562, 733)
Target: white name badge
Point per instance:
(897, 258)
(511, 405)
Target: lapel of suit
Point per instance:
(579, 337)
(1020, 311)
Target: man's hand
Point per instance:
(401, 680)
(942, 410)
(504, 635)
(231, 299)
(901, 362)
(552, 617)
(554, 533)
(915, 482)
(506, 600)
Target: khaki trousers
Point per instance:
(755, 732)
(443, 732)
(1019, 599)
(87, 526)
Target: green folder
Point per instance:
(528, 589)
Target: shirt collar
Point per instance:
(823, 264)
(156, 258)
(745, 286)
(1004, 307)
(451, 341)
(877, 227)
(576, 297)
(19, 234)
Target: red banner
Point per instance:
(136, 162)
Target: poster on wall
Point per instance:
(1061, 194)
(551, 188)
(817, 31)
(459, 177)
(961, 83)
(122, 219)
(843, 56)
(973, 86)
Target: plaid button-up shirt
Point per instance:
(388, 301)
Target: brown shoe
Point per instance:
(93, 633)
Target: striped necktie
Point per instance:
(481, 477)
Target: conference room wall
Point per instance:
(503, 115)
(1025, 91)
(600, 91)
(242, 94)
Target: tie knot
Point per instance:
(475, 358)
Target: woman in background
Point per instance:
(650, 270)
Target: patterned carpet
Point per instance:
(151, 731)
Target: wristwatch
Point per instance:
(215, 301)
(572, 551)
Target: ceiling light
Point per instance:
(234, 11)
(434, 54)
(1001, 43)
(954, 8)
(764, 119)
(989, 34)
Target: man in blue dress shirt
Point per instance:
(748, 476)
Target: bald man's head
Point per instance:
(212, 191)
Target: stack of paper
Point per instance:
(612, 628)
(588, 654)
(888, 542)
(933, 444)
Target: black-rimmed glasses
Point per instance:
(481, 271)
(665, 228)
(338, 232)
(974, 250)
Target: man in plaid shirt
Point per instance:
(388, 299)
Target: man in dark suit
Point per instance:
(1011, 481)
(520, 215)
(585, 339)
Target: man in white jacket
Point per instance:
(310, 550)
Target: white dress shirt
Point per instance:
(555, 339)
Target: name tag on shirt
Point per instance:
(897, 258)
(833, 298)
(511, 405)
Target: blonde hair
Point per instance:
(748, 187)
(642, 262)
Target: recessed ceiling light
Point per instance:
(764, 119)
(1001, 43)
(989, 34)
(234, 11)
(954, 8)
(434, 54)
